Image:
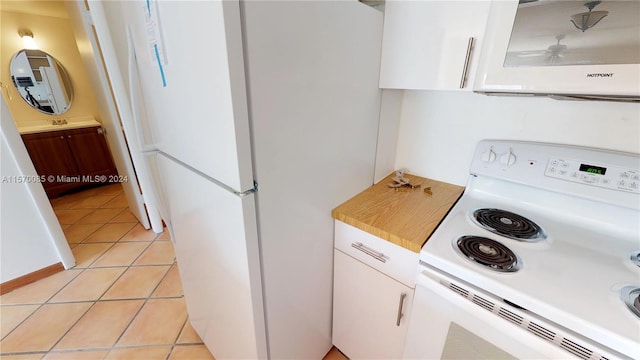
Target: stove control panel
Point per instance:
(608, 176)
(585, 172)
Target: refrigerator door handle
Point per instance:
(246, 193)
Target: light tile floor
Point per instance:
(122, 300)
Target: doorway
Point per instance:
(59, 29)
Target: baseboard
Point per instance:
(11, 285)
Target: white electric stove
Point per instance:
(538, 259)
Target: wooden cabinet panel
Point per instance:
(90, 151)
(50, 154)
(70, 155)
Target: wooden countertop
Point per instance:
(405, 217)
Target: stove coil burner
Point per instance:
(631, 296)
(508, 224)
(489, 253)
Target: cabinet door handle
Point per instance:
(62, 137)
(400, 306)
(463, 80)
(374, 254)
(68, 136)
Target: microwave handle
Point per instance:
(463, 80)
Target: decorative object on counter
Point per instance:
(56, 124)
(400, 181)
(41, 81)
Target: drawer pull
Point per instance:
(400, 306)
(376, 255)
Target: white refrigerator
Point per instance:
(254, 120)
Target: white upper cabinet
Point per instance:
(432, 45)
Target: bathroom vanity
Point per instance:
(68, 157)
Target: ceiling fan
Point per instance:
(553, 54)
(556, 51)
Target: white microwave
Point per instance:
(562, 48)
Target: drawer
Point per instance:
(392, 260)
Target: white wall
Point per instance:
(390, 104)
(30, 235)
(439, 130)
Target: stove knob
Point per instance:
(488, 156)
(508, 159)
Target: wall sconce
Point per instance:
(587, 20)
(27, 39)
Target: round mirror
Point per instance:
(41, 81)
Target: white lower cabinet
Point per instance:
(370, 310)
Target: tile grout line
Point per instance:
(127, 266)
(177, 338)
(93, 210)
(21, 322)
(71, 327)
(94, 231)
(86, 236)
(103, 225)
(41, 353)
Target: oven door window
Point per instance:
(463, 344)
(446, 325)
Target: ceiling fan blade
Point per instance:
(524, 54)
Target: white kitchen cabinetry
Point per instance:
(371, 309)
(427, 44)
